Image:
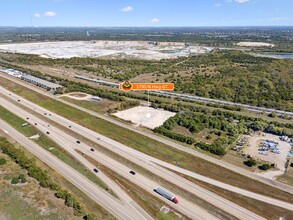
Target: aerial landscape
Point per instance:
(146, 110)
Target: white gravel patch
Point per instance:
(255, 44)
(145, 116)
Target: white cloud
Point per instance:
(127, 9)
(155, 20)
(241, 1)
(238, 1)
(278, 19)
(37, 15)
(50, 14)
(217, 5)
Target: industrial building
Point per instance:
(40, 82)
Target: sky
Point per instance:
(146, 13)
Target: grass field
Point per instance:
(261, 208)
(28, 201)
(147, 145)
(97, 106)
(287, 177)
(48, 144)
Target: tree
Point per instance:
(2, 161)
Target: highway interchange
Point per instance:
(68, 142)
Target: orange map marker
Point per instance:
(128, 86)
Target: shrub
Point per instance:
(265, 166)
(250, 162)
(2, 161)
(14, 180)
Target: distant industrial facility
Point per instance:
(40, 82)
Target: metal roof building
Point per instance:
(40, 82)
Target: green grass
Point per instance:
(168, 216)
(47, 143)
(148, 145)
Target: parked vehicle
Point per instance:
(166, 195)
(92, 149)
(95, 170)
(132, 172)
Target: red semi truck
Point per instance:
(166, 195)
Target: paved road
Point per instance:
(89, 188)
(163, 140)
(139, 157)
(69, 144)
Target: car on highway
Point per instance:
(36, 123)
(45, 113)
(27, 118)
(98, 138)
(78, 142)
(132, 172)
(48, 132)
(18, 100)
(92, 149)
(69, 126)
(95, 170)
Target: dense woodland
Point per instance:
(226, 75)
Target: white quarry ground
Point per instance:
(145, 116)
(112, 49)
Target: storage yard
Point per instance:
(268, 148)
(145, 116)
(112, 49)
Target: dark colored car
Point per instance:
(78, 142)
(92, 149)
(36, 124)
(48, 132)
(95, 170)
(132, 172)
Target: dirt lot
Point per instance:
(145, 116)
(279, 159)
(78, 96)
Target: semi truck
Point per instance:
(166, 195)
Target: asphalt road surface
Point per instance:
(126, 152)
(230, 207)
(162, 140)
(98, 195)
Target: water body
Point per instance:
(278, 56)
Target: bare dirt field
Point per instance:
(78, 96)
(279, 159)
(254, 44)
(145, 116)
(112, 49)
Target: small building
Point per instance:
(40, 82)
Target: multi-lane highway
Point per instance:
(100, 196)
(162, 140)
(103, 139)
(69, 144)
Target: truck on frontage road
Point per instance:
(166, 195)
